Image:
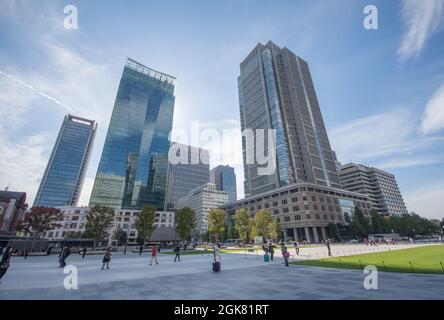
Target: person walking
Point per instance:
(66, 252)
(271, 250)
(4, 263)
(84, 252)
(140, 250)
(106, 258)
(177, 251)
(296, 247)
(25, 254)
(48, 251)
(216, 252)
(153, 255)
(327, 244)
(285, 255)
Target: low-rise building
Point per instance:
(304, 210)
(380, 186)
(12, 209)
(202, 200)
(75, 219)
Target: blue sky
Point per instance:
(381, 91)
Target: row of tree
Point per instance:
(99, 222)
(408, 225)
(244, 226)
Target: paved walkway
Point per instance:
(130, 277)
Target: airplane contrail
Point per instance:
(32, 88)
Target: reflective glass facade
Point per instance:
(183, 177)
(133, 168)
(276, 92)
(63, 178)
(225, 180)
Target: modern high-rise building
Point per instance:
(380, 186)
(225, 179)
(276, 92)
(64, 175)
(202, 200)
(190, 171)
(133, 168)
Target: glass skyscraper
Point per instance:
(225, 180)
(188, 175)
(276, 92)
(64, 175)
(133, 168)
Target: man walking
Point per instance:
(177, 251)
(66, 252)
(327, 243)
(106, 258)
(296, 247)
(84, 252)
(140, 250)
(271, 250)
(154, 255)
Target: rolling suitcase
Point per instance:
(266, 258)
(216, 266)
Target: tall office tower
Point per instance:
(225, 179)
(191, 171)
(64, 175)
(202, 200)
(276, 92)
(133, 168)
(380, 186)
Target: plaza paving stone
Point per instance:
(130, 277)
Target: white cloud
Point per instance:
(421, 19)
(433, 118)
(374, 136)
(427, 201)
(23, 161)
(405, 163)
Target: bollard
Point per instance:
(411, 266)
(385, 269)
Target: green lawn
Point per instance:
(427, 259)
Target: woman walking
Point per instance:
(153, 255)
(4, 264)
(106, 258)
(286, 255)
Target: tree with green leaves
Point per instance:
(73, 235)
(359, 225)
(42, 219)
(186, 223)
(120, 236)
(145, 222)
(262, 224)
(216, 223)
(242, 223)
(379, 223)
(99, 221)
(274, 230)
